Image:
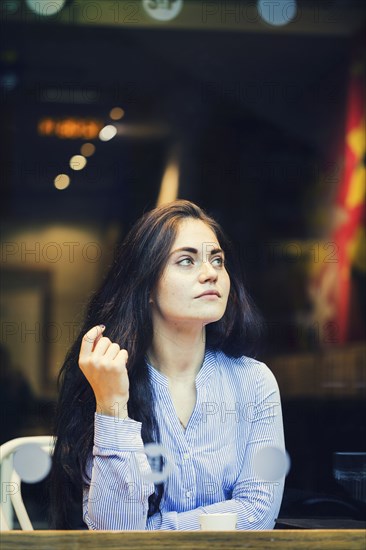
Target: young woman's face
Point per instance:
(195, 267)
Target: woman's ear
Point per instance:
(152, 296)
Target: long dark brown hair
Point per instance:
(122, 304)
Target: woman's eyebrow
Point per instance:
(195, 251)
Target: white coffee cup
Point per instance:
(218, 522)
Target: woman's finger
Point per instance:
(112, 351)
(90, 339)
(101, 347)
(122, 358)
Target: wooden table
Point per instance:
(320, 523)
(342, 539)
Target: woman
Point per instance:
(167, 365)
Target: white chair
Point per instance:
(11, 482)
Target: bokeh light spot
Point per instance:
(87, 149)
(78, 162)
(45, 7)
(62, 181)
(116, 113)
(278, 12)
(155, 452)
(32, 463)
(108, 132)
(271, 463)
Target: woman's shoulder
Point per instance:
(241, 362)
(243, 367)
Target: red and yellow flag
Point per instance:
(332, 302)
(350, 234)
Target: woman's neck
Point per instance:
(177, 354)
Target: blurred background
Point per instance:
(254, 110)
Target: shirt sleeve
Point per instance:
(257, 493)
(117, 496)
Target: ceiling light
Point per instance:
(61, 181)
(163, 11)
(116, 113)
(107, 133)
(78, 162)
(45, 7)
(277, 12)
(87, 149)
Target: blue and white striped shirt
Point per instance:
(237, 415)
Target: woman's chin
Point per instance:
(211, 318)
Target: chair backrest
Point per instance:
(11, 482)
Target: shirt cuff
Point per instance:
(117, 434)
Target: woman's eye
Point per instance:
(219, 260)
(185, 261)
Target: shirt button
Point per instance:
(251, 519)
(188, 494)
(186, 456)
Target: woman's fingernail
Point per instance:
(102, 327)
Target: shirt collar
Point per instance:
(206, 370)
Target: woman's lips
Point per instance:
(209, 294)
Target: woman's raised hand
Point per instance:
(104, 365)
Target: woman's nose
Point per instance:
(207, 272)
